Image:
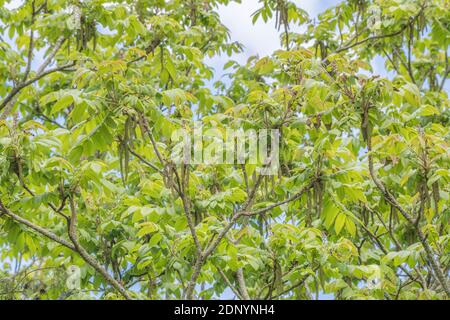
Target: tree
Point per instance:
(92, 92)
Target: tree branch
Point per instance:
(229, 284)
(52, 54)
(30, 45)
(210, 249)
(302, 281)
(447, 71)
(290, 199)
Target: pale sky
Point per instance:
(258, 39)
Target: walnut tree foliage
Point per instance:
(92, 90)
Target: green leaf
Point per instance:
(339, 223)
